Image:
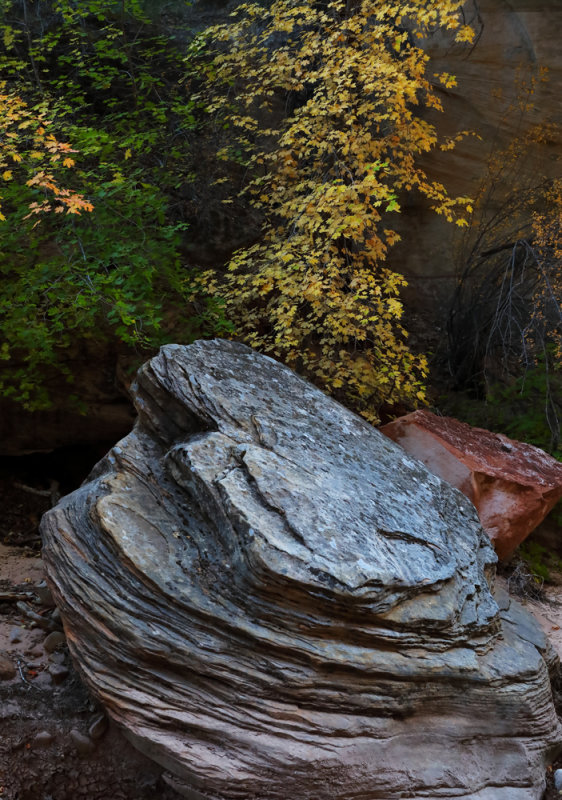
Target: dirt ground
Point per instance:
(55, 742)
(545, 603)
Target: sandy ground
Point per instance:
(55, 742)
(549, 615)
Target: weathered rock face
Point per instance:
(274, 600)
(512, 484)
(514, 40)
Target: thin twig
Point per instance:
(9, 597)
(19, 662)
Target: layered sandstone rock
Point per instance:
(512, 484)
(508, 83)
(273, 600)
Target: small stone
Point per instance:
(58, 672)
(44, 594)
(43, 738)
(81, 742)
(16, 635)
(558, 780)
(54, 640)
(7, 668)
(57, 658)
(98, 726)
(9, 710)
(35, 653)
(55, 621)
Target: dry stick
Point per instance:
(32, 490)
(22, 676)
(9, 597)
(52, 492)
(30, 48)
(34, 617)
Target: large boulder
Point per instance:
(512, 484)
(273, 600)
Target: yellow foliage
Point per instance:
(24, 130)
(315, 291)
(547, 233)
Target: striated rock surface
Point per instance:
(273, 600)
(512, 484)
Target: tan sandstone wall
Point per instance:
(514, 41)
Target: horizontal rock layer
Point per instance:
(273, 599)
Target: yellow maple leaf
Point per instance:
(465, 34)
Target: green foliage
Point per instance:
(523, 410)
(540, 561)
(110, 77)
(527, 408)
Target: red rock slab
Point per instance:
(512, 484)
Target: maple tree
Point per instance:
(28, 147)
(104, 76)
(322, 104)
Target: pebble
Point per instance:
(44, 594)
(9, 710)
(56, 620)
(54, 640)
(57, 658)
(34, 652)
(98, 726)
(16, 635)
(81, 742)
(558, 780)
(43, 738)
(58, 672)
(7, 668)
